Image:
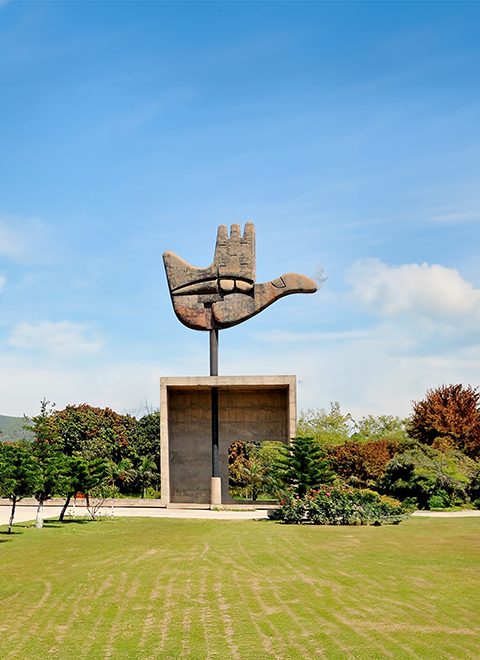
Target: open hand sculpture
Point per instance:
(225, 293)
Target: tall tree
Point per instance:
(19, 474)
(47, 452)
(81, 476)
(303, 465)
(448, 417)
(330, 427)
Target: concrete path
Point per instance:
(27, 512)
(24, 513)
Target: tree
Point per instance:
(146, 473)
(19, 474)
(381, 427)
(362, 463)
(120, 473)
(424, 472)
(251, 468)
(95, 432)
(51, 461)
(147, 450)
(448, 417)
(82, 476)
(328, 427)
(303, 466)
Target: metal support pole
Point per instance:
(214, 372)
(214, 352)
(215, 452)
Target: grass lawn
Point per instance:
(160, 588)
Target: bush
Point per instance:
(423, 472)
(437, 502)
(340, 505)
(362, 464)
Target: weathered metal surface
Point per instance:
(225, 293)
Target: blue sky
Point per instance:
(347, 132)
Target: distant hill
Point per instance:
(11, 428)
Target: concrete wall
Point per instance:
(250, 409)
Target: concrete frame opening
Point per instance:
(254, 408)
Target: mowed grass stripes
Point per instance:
(152, 588)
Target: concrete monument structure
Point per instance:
(250, 408)
(201, 417)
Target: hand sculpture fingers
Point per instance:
(235, 255)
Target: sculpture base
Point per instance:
(215, 491)
(250, 409)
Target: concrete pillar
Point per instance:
(216, 491)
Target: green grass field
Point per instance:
(152, 588)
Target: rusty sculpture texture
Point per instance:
(225, 293)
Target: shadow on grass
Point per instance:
(72, 521)
(21, 527)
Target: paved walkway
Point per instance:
(27, 512)
(24, 513)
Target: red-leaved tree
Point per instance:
(448, 417)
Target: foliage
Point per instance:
(82, 476)
(381, 427)
(423, 472)
(130, 447)
(303, 465)
(147, 451)
(448, 418)
(362, 463)
(94, 432)
(251, 469)
(146, 474)
(51, 461)
(328, 427)
(19, 474)
(340, 505)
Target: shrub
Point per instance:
(423, 472)
(292, 509)
(362, 463)
(340, 505)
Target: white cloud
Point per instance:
(25, 239)
(62, 338)
(415, 291)
(455, 217)
(3, 280)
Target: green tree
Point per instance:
(448, 417)
(95, 432)
(120, 473)
(327, 427)
(303, 466)
(147, 451)
(82, 476)
(424, 472)
(48, 454)
(19, 474)
(146, 473)
(381, 427)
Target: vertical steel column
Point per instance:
(214, 372)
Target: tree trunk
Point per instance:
(12, 514)
(64, 509)
(39, 516)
